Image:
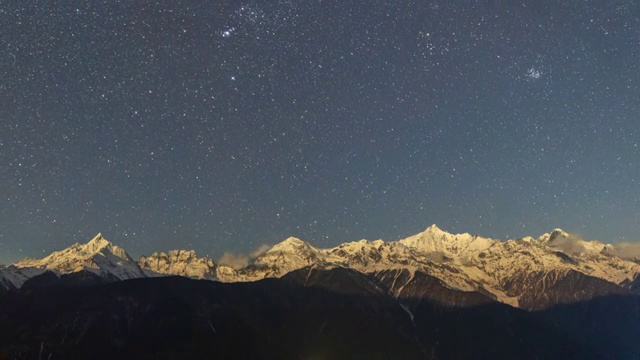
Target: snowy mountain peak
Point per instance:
(99, 243)
(433, 239)
(286, 256)
(512, 271)
(98, 256)
(434, 230)
(557, 233)
(291, 244)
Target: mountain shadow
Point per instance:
(307, 314)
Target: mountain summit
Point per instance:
(530, 273)
(433, 239)
(98, 256)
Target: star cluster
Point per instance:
(221, 126)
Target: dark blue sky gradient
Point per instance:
(219, 126)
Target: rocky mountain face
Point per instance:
(179, 262)
(530, 273)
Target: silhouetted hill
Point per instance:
(307, 314)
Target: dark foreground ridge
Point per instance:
(307, 314)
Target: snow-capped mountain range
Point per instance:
(528, 273)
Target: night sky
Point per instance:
(219, 126)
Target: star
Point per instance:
(223, 126)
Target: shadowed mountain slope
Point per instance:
(310, 313)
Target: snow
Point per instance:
(461, 261)
(401, 287)
(433, 239)
(178, 262)
(14, 277)
(405, 308)
(98, 256)
(291, 244)
(211, 326)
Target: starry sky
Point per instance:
(221, 125)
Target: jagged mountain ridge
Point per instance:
(178, 262)
(528, 273)
(98, 256)
(523, 273)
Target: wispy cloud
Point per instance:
(572, 244)
(239, 260)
